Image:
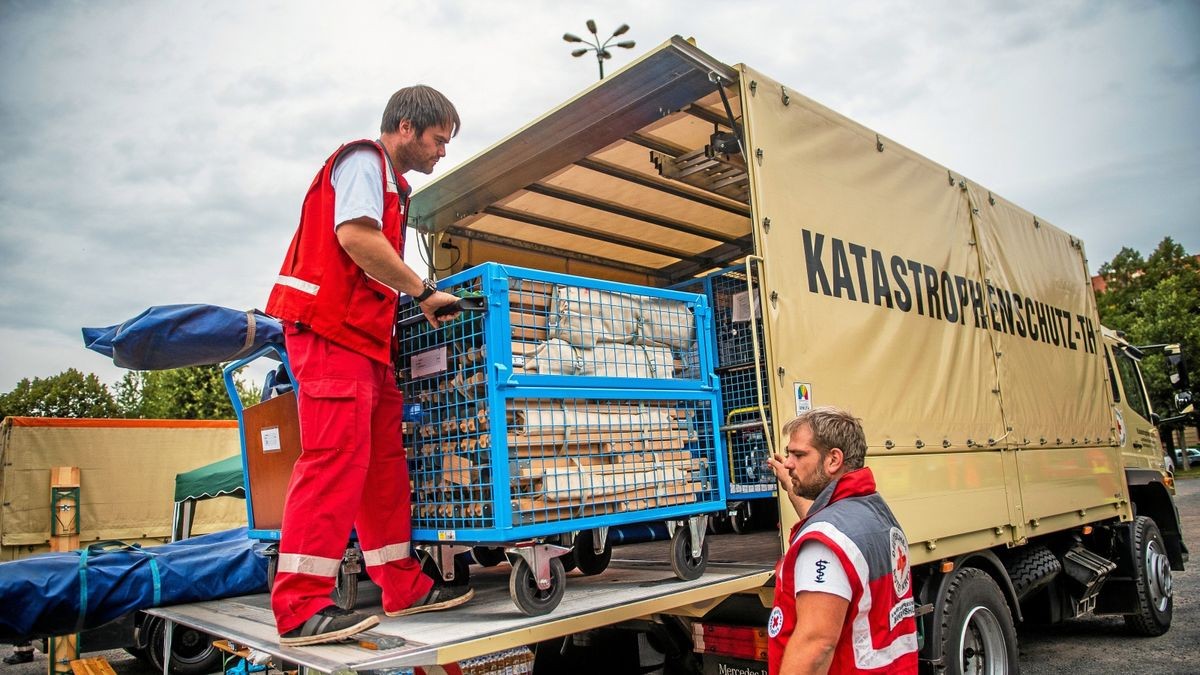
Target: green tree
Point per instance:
(1155, 300)
(68, 394)
(196, 393)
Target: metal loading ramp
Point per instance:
(628, 589)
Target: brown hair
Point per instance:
(421, 105)
(833, 428)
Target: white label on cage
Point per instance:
(803, 396)
(447, 535)
(270, 439)
(741, 306)
(431, 362)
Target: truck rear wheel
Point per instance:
(977, 627)
(192, 651)
(1152, 576)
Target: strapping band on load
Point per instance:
(105, 547)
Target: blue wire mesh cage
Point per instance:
(745, 397)
(570, 403)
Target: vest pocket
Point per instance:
(329, 415)
(371, 309)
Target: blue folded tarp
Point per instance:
(177, 336)
(61, 593)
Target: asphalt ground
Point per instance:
(1101, 646)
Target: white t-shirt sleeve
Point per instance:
(818, 569)
(358, 186)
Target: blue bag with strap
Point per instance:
(60, 593)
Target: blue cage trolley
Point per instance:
(740, 362)
(569, 406)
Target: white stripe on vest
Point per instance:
(298, 284)
(866, 656)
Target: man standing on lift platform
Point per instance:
(336, 295)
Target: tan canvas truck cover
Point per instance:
(961, 328)
(127, 477)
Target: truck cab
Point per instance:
(1151, 485)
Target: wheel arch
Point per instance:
(1152, 498)
(933, 588)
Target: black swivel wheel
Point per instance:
(523, 588)
(683, 564)
(586, 559)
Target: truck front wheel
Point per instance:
(1152, 577)
(977, 627)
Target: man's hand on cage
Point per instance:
(435, 301)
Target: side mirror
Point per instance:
(1177, 367)
(1183, 401)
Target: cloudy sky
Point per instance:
(157, 152)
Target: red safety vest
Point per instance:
(319, 287)
(879, 634)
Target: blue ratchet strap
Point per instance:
(83, 555)
(103, 547)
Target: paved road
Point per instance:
(1093, 645)
(1100, 645)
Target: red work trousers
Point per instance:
(352, 473)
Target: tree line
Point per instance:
(196, 393)
(1156, 300)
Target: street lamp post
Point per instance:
(600, 48)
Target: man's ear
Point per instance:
(405, 129)
(835, 459)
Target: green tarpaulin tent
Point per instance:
(219, 479)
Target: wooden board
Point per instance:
(270, 468)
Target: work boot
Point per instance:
(21, 654)
(439, 597)
(328, 625)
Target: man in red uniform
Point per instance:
(336, 295)
(843, 590)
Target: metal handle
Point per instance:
(475, 303)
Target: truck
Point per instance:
(112, 502)
(1008, 429)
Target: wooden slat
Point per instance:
(93, 666)
(66, 509)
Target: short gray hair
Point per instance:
(421, 105)
(833, 428)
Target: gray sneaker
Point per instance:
(439, 597)
(328, 625)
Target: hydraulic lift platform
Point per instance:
(628, 589)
